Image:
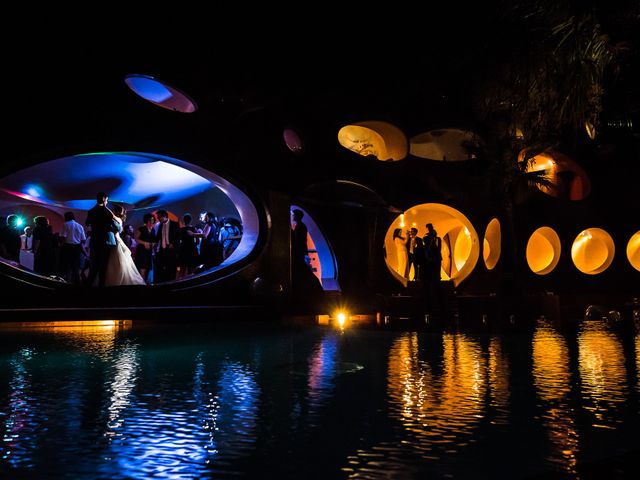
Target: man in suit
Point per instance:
(103, 238)
(167, 234)
(415, 255)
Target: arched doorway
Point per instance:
(460, 243)
(321, 256)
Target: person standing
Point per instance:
(27, 238)
(188, 257)
(44, 245)
(433, 254)
(415, 255)
(168, 238)
(401, 251)
(103, 239)
(10, 238)
(72, 237)
(145, 237)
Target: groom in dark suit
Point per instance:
(103, 238)
(167, 235)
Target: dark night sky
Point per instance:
(416, 65)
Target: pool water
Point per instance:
(196, 401)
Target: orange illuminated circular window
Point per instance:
(543, 251)
(592, 251)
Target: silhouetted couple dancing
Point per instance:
(111, 260)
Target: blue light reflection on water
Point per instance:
(208, 403)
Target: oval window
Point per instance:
(211, 223)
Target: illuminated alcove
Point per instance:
(448, 145)
(460, 243)
(491, 245)
(379, 139)
(141, 182)
(568, 180)
(321, 256)
(543, 250)
(160, 93)
(592, 251)
(633, 251)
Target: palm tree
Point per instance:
(550, 84)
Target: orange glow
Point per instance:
(568, 179)
(551, 374)
(499, 381)
(380, 139)
(602, 372)
(638, 361)
(71, 324)
(592, 251)
(437, 406)
(491, 246)
(460, 243)
(552, 379)
(543, 250)
(591, 130)
(633, 250)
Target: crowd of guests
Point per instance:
(162, 249)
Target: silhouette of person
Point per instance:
(103, 240)
(415, 255)
(432, 245)
(305, 283)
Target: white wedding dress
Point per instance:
(121, 270)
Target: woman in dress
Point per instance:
(211, 248)
(121, 270)
(401, 251)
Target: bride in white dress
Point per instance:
(121, 270)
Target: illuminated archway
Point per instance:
(491, 246)
(633, 251)
(592, 251)
(321, 256)
(543, 251)
(160, 93)
(447, 145)
(568, 179)
(379, 139)
(460, 243)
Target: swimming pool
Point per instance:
(196, 401)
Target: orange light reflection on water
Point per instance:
(552, 380)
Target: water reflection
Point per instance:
(603, 375)
(638, 361)
(322, 371)
(439, 409)
(180, 435)
(499, 382)
(20, 429)
(552, 379)
(99, 340)
(125, 365)
(201, 404)
(237, 415)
